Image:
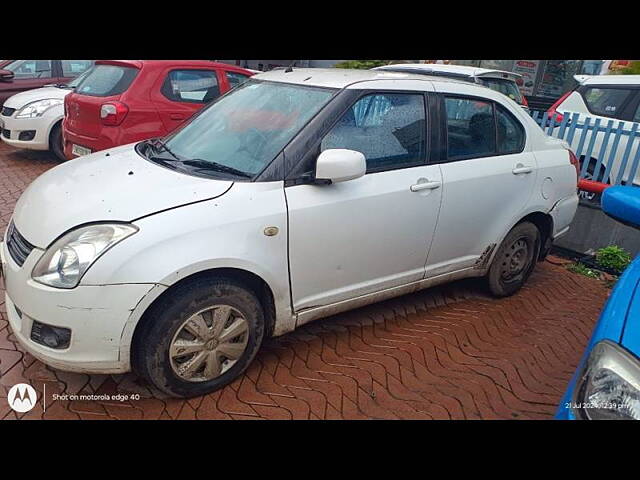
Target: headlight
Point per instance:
(67, 260)
(609, 388)
(36, 109)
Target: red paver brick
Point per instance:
(449, 352)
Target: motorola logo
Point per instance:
(22, 397)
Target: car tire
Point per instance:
(515, 260)
(56, 143)
(170, 326)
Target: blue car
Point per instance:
(606, 385)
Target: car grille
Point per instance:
(7, 112)
(18, 247)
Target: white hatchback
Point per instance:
(33, 119)
(300, 194)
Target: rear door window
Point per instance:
(30, 69)
(107, 80)
(471, 129)
(193, 86)
(74, 68)
(606, 101)
(506, 87)
(511, 136)
(235, 78)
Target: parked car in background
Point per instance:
(124, 101)
(33, 119)
(19, 75)
(603, 98)
(498, 80)
(176, 257)
(606, 384)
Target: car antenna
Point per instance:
(290, 67)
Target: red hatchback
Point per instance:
(125, 101)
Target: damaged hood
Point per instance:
(120, 186)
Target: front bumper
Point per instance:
(41, 125)
(96, 315)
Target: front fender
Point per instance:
(225, 232)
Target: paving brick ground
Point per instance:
(446, 353)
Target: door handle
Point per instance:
(176, 116)
(521, 169)
(424, 184)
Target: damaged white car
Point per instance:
(300, 194)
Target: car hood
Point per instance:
(21, 99)
(116, 184)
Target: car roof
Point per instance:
(458, 70)
(608, 79)
(168, 63)
(338, 77)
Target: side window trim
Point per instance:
(442, 125)
(427, 140)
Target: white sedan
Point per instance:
(300, 194)
(33, 119)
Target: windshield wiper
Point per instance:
(157, 142)
(216, 167)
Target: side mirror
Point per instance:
(340, 165)
(6, 75)
(622, 204)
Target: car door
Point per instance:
(184, 91)
(28, 74)
(365, 235)
(488, 178)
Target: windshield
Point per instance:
(247, 128)
(507, 87)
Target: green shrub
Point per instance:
(582, 270)
(361, 64)
(613, 257)
(632, 69)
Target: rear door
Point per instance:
(28, 74)
(180, 92)
(106, 82)
(488, 178)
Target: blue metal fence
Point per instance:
(609, 150)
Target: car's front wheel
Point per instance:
(56, 143)
(515, 259)
(198, 338)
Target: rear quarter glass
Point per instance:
(107, 80)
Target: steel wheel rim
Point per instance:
(515, 259)
(208, 343)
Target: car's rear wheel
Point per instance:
(200, 337)
(56, 143)
(515, 260)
